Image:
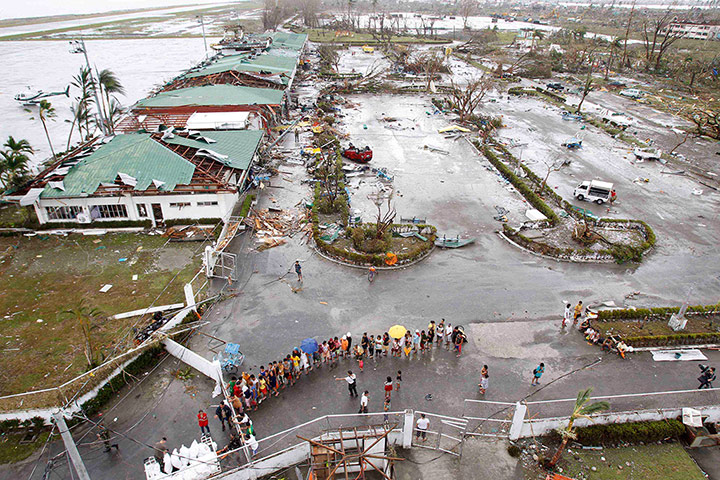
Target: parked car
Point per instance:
(595, 191)
(557, 86)
(632, 93)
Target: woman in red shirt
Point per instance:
(203, 422)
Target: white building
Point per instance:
(146, 176)
(693, 31)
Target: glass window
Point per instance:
(63, 213)
(108, 211)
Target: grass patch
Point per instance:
(14, 216)
(653, 328)
(12, 451)
(321, 35)
(668, 461)
(44, 275)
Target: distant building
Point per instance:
(693, 31)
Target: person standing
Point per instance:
(104, 436)
(203, 422)
(537, 373)
(459, 340)
(440, 332)
(416, 341)
(160, 449)
(386, 408)
(298, 270)
(349, 339)
(388, 388)
(364, 342)
(223, 413)
(371, 346)
(297, 136)
(578, 312)
(422, 426)
(448, 335)
(484, 383)
(431, 333)
(351, 380)
(568, 313)
(364, 400)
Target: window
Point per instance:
(108, 211)
(180, 204)
(207, 204)
(62, 213)
(142, 210)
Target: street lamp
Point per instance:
(78, 46)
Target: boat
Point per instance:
(456, 242)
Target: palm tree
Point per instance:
(14, 162)
(536, 35)
(581, 410)
(84, 81)
(85, 316)
(109, 84)
(45, 112)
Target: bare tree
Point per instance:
(383, 33)
(658, 36)
(467, 9)
(467, 98)
(551, 165)
(384, 220)
(273, 13)
(432, 64)
(624, 61)
(329, 57)
(308, 11)
(587, 87)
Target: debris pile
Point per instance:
(273, 225)
(189, 233)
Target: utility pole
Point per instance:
(78, 46)
(72, 450)
(202, 25)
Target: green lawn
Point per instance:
(12, 451)
(42, 276)
(668, 461)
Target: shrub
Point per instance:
(514, 451)
(96, 224)
(191, 221)
(635, 432)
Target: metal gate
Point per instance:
(446, 434)
(220, 264)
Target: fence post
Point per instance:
(517, 420)
(407, 430)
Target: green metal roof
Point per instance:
(272, 62)
(238, 145)
(134, 154)
(289, 40)
(212, 95)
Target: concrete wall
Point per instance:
(544, 426)
(225, 204)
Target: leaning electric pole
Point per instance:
(72, 450)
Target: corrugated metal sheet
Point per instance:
(134, 154)
(238, 145)
(211, 95)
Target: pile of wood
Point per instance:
(189, 233)
(273, 226)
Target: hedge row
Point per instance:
(519, 184)
(97, 224)
(675, 339)
(633, 433)
(657, 312)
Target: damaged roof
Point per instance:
(289, 40)
(213, 95)
(136, 155)
(239, 146)
(140, 159)
(268, 63)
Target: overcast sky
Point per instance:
(41, 8)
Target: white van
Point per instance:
(595, 191)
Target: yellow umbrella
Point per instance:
(397, 331)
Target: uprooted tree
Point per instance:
(465, 99)
(707, 122)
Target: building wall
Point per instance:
(192, 206)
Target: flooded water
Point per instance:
(47, 65)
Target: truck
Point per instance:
(595, 191)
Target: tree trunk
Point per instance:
(558, 453)
(42, 119)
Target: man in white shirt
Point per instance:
(421, 426)
(351, 380)
(364, 402)
(252, 443)
(448, 335)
